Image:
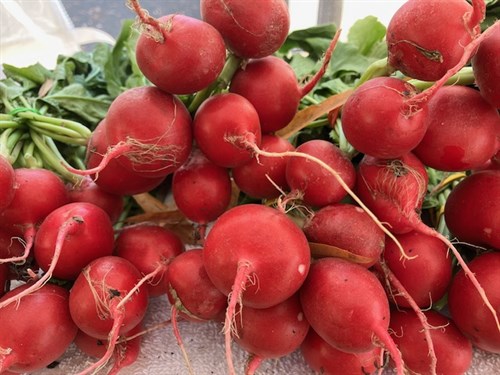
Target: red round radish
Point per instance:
(89, 191)
(348, 228)
(284, 325)
(92, 238)
(250, 30)
(452, 349)
(270, 84)
(463, 130)
(427, 275)
(35, 332)
(7, 180)
(426, 38)
(149, 248)
(378, 119)
(96, 297)
(264, 177)
(393, 189)
(179, 54)
(472, 207)
(468, 310)
(318, 186)
(201, 189)
(190, 290)
(486, 68)
(325, 359)
(115, 178)
(222, 125)
(346, 322)
(150, 130)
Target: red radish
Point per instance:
(270, 84)
(264, 177)
(467, 308)
(150, 248)
(11, 245)
(148, 131)
(256, 254)
(462, 130)
(37, 193)
(7, 180)
(427, 275)
(250, 31)
(318, 186)
(426, 38)
(115, 178)
(201, 189)
(284, 325)
(35, 332)
(221, 136)
(88, 191)
(348, 228)
(453, 350)
(486, 68)
(164, 51)
(325, 359)
(107, 301)
(471, 210)
(91, 238)
(378, 118)
(191, 291)
(346, 321)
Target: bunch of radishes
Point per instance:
(330, 255)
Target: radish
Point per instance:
(256, 254)
(427, 275)
(148, 131)
(467, 308)
(264, 177)
(88, 191)
(7, 180)
(201, 189)
(37, 192)
(325, 359)
(284, 325)
(150, 248)
(115, 178)
(349, 229)
(11, 245)
(221, 136)
(164, 51)
(107, 301)
(190, 290)
(471, 210)
(453, 350)
(463, 130)
(318, 186)
(486, 68)
(249, 30)
(24, 346)
(356, 317)
(426, 38)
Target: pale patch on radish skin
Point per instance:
(302, 269)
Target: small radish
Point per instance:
(7, 180)
(164, 51)
(463, 130)
(220, 135)
(37, 331)
(249, 30)
(150, 248)
(426, 38)
(264, 177)
(356, 317)
(349, 229)
(318, 187)
(258, 256)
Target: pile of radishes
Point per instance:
(330, 255)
